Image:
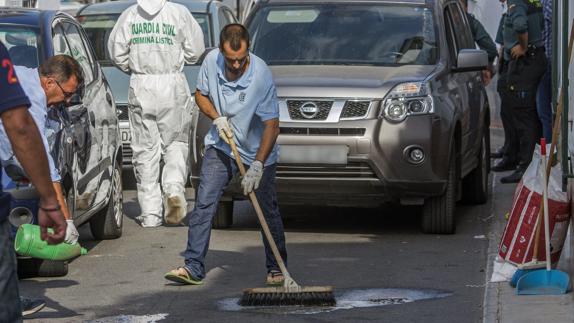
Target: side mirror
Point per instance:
(469, 60)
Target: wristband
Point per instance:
(56, 208)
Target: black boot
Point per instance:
(515, 177)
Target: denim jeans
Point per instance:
(544, 104)
(10, 310)
(217, 170)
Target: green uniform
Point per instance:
(519, 79)
(482, 38)
(522, 16)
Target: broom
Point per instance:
(291, 293)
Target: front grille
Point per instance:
(317, 110)
(122, 112)
(127, 154)
(351, 170)
(323, 131)
(355, 109)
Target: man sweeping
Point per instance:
(235, 89)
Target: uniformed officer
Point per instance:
(523, 49)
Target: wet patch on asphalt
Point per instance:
(346, 299)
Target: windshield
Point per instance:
(333, 34)
(22, 44)
(99, 27)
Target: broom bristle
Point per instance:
(279, 296)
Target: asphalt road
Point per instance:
(425, 278)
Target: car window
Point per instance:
(450, 38)
(99, 27)
(342, 34)
(73, 46)
(22, 44)
(462, 35)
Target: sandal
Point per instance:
(183, 276)
(275, 278)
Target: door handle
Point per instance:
(92, 118)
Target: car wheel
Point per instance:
(438, 211)
(108, 222)
(32, 267)
(475, 184)
(224, 217)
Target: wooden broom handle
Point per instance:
(259, 212)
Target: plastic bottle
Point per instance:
(28, 243)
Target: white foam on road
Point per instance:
(152, 318)
(346, 300)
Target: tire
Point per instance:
(32, 267)
(223, 218)
(475, 185)
(108, 222)
(439, 211)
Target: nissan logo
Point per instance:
(309, 110)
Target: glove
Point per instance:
(251, 179)
(71, 233)
(223, 128)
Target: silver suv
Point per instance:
(380, 101)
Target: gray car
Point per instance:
(380, 101)
(98, 21)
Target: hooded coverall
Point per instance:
(152, 41)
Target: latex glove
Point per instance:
(252, 177)
(71, 233)
(223, 128)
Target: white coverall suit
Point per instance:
(152, 41)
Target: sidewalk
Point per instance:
(500, 302)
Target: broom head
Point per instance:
(282, 296)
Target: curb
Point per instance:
(495, 229)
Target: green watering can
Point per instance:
(28, 243)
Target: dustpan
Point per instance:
(549, 281)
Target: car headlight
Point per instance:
(407, 99)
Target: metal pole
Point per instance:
(564, 91)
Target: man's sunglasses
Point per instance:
(241, 61)
(67, 95)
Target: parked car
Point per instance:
(83, 137)
(380, 101)
(98, 21)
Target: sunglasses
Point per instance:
(241, 61)
(67, 94)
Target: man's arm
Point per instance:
(268, 139)
(205, 105)
(119, 43)
(27, 143)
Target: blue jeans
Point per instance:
(217, 170)
(544, 104)
(10, 310)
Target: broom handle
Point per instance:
(555, 133)
(259, 212)
(546, 219)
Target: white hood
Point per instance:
(151, 6)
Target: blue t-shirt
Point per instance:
(11, 96)
(247, 103)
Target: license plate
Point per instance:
(125, 136)
(313, 154)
